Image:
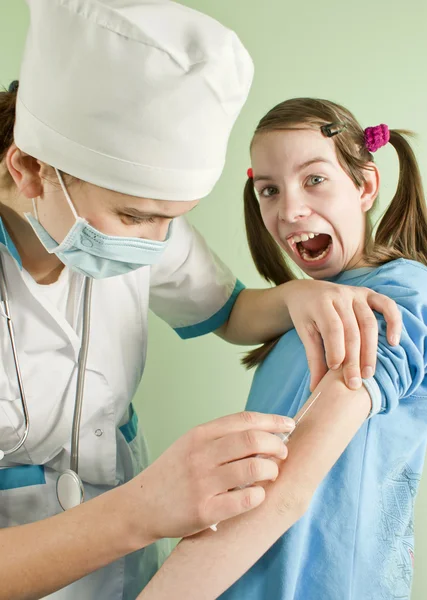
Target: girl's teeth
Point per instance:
(304, 237)
(305, 255)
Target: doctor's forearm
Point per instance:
(39, 558)
(257, 317)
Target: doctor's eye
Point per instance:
(132, 220)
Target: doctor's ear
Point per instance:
(25, 172)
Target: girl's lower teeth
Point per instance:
(307, 257)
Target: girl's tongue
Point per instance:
(315, 248)
(317, 244)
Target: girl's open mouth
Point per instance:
(311, 247)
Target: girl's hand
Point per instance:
(337, 326)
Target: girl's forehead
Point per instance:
(292, 136)
(293, 146)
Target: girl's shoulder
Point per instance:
(402, 274)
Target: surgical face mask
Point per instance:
(93, 253)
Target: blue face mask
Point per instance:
(95, 254)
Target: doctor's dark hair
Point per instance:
(7, 123)
(7, 118)
(402, 230)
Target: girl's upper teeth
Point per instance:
(304, 237)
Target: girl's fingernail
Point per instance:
(367, 372)
(355, 383)
(395, 339)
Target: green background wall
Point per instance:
(370, 56)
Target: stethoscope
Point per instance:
(69, 486)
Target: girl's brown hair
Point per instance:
(402, 231)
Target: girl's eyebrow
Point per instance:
(307, 163)
(317, 159)
(263, 177)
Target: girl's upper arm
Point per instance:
(400, 369)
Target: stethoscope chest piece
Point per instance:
(69, 489)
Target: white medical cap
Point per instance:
(134, 96)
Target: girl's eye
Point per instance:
(315, 180)
(269, 191)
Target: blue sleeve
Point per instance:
(401, 369)
(215, 321)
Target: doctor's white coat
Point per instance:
(190, 289)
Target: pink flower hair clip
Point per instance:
(376, 137)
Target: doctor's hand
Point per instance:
(337, 326)
(193, 484)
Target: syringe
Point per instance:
(285, 436)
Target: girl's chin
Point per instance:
(327, 272)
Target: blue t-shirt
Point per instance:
(356, 540)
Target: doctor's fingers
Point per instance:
(243, 421)
(248, 443)
(231, 504)
(243, 473)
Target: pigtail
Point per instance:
(268, 260)
(266, 254)
(402, 232)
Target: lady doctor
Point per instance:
(119, 126)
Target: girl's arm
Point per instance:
(333, 321)
(204, 566)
